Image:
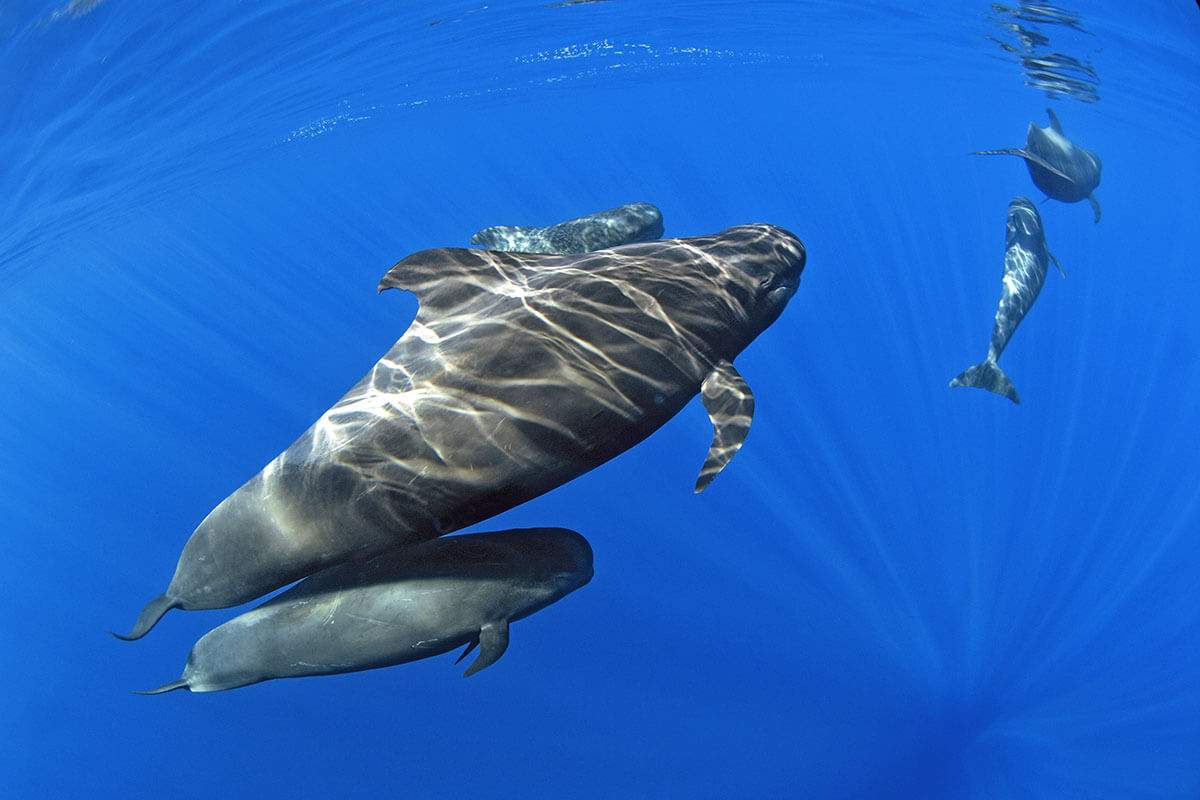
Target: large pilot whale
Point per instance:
(633, 222)
(519, 373)
(1026, 259)
(1058, 166)
(403, 606)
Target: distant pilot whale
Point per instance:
(635, 222)
(519, 373)
(1058, 166)
(402, 606)
(1025, 263)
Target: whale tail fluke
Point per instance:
(166, 687)
(1032, 158)
(988, 375)
(149, 617)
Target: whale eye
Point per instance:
(766, 282)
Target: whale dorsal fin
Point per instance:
(1025, 154)
(1054, 123)
(493, 641)
(448, 278)
(730, 405)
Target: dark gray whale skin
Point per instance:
(1058, 166)
(633, 222)
(403, 606)
(1026, 260)
(519, 373)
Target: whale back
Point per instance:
(613, 227)
(1081, 166)
(520, 372)
(400, 607)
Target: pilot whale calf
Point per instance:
(520, 372)
(634, 222)
(402, 606)
(1058, 166)
(1026, 259)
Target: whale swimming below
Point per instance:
(1058, 166)
(403, 606)
(519, 373)
(633, 222)
(1025, 264)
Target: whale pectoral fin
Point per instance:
(1054, 123)
(1046, 165)
(493, 641)
(730, 405)
(1095, 208)
(1025, 154)
(447, 278)
(1053, 258)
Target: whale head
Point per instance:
(1023, 218)
(640, 222)
(763, 263)
(556, 559)
(551, 562)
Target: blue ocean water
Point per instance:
(895, 590)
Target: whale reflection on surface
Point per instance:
(1026, 41)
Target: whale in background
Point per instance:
(634, 222)
(1025, 264)
(402, 606)
(1058, 166)
(519, 373)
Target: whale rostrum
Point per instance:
(1026, 260)
(1058, 166)
(633, 222)
(519, 373)
(402, 606)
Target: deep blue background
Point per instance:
(895, 590)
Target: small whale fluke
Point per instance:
(1028, 156)
(988, 375)
(166, 687)
(149, 617)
